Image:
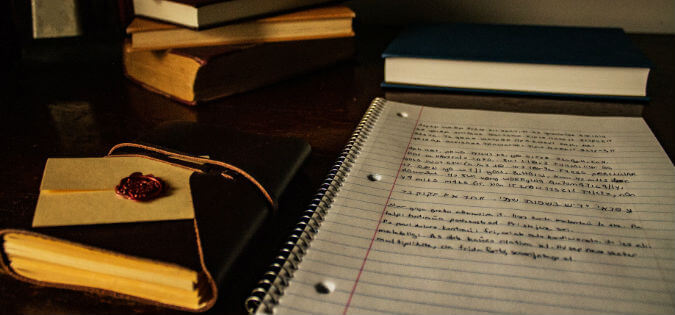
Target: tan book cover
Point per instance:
(325, 22)
(198, 74)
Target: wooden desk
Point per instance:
(82, 109)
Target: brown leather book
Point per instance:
(229, 209)
(198, 74)
(318, 23)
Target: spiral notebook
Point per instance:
(450, 211)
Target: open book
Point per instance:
(439, 211)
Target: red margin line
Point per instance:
(372, 240)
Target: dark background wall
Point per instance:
(634, 16)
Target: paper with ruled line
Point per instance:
(483, 212)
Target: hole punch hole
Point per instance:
(325, 287)
(375, 177)
(402, 114)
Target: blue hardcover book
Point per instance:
(561, 61)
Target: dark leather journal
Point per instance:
(229, 208)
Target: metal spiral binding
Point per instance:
(276, 279)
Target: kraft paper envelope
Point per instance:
(77, 191)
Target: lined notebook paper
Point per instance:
(449, 211)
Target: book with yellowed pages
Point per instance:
(453, 211)
(326, 22)
(168, 237)
(199, 74)
(207, 13)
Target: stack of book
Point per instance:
(199, 50)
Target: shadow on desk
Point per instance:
(525, 104)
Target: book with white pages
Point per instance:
(451, 211)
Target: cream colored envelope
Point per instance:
(77, 191)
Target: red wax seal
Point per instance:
(140, 187)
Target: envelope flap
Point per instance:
(78, 191)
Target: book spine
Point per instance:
(276, 279)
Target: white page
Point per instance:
(492, 212)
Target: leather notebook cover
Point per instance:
(228, 212)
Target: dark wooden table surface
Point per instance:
(79, 108)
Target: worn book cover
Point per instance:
(326, 22)
(208, 13)
(199, 74)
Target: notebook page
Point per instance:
(480, 212)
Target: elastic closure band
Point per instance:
(200, 160)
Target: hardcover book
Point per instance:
(327, 22)
(221, 185)
(206, 13)
(198, 74)
(567, 61)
